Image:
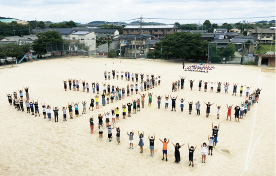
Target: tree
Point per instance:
(35, 24)
(228, 51)
(49, 37)
(68, 24)
(184, 45)
(177, 25)
(207, 24)
(13, 50)
(13, 28)
(227, 26)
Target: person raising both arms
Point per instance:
(151, 142)
(191, 84)
(165, 147)
(177, 146)
(229, 108)
(208, 108)
(142, 99)
(191, 154)
(173, 102)
(215, 130)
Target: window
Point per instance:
(132, 30)
(156, 30)
(168, 30)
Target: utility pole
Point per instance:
(120, 49)
(135, 46)
(208, 53)
(161, 51)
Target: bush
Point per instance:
(249, 63)
(216, 59)
(111, 54)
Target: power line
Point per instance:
(187, 19)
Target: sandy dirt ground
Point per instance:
(34, 146)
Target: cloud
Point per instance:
(182, 11)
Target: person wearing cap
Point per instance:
(151, 141)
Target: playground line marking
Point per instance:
(252, 132)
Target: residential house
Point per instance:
(86, 37)
(230, 35)
(263, 35)
(64, 32)
(267, 59)
(235, 30)
(220, 33)
(221, 43)
(112, 33)
(220, 30)
(208, 36)
(19, 40)
(133, 45)
(247, 42)
(157, 31)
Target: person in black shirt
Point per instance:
(208, 108)
(100, 117)
(173, 102)
(118, 135)
(91, 124)
(177, 152)
(56, 113)
(21, 105)
(190, 107)
(129, 109)
(191, 154)
(36, 108)
(91, 104)
(65, 85)
(191, 84)
(215, 130)
(113, 74)
(70, 84)
(237, 113)
(205, 86)
(9, 98)
(199, 85)
(151, 141)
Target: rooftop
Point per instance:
(81, 33)
(259, 30)
(151, 27)
(137, 37)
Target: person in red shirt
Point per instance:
(165, 143)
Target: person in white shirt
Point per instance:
(204, 152)
(211, 142)
(64, 113)
(212, 86)
(48, 111)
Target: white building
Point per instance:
(86, 37)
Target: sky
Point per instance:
(167, 11)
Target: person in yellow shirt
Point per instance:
(117, 113)
(97, 101)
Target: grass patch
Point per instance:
(249, 63)
(262, 48)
